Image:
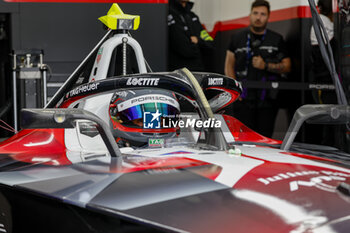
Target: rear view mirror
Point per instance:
(220, 90)
(59, 118)
(315, 114)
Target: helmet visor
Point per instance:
(134, 116)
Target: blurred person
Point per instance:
(189, 42)
(257, 54)
(320, 73)
(324, 134)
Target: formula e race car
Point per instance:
(112, 152)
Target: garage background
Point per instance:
(66, 32)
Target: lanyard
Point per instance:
(248, 59)
(249, 47)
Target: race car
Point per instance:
(113, 152)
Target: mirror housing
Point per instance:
(315, 114)
(62, 118)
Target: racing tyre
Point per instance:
(5, 215)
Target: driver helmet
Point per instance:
(139, 115)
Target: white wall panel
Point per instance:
(213, 11)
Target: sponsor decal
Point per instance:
(151, 120)
(163, 171)
(84, 88)
(80, 80)
(154, 98)
(322, 86)
(270, 49)
(215, 81)
(145, 99)
(323, 180)
(88, 128)
(99, 55)
(178, 153)
(121, 93)
(159, 142)
(142, 82)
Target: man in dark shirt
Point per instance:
(259, 54)
(188, 40)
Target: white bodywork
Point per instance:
(100, 68)
(99, 104)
